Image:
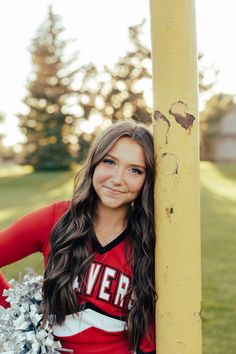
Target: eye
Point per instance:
(137, 171)
(108, 161)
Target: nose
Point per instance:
(117, 177)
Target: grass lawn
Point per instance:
(218, 216)
(21, 192)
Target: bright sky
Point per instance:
(101, 28)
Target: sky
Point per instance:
(101, 29)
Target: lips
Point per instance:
(114, 191)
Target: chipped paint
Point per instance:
(173, 168)
(169, 212)
(179, 111)
(158, 116)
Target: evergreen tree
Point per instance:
(48, 125)
(87, 92)
(123, 92)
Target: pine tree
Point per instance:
(88, 91)
(48, 125)
(123, 91)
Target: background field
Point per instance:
(21, 192)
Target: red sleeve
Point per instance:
(148, 343)
(27, 235)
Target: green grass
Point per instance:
(22, 191)
(218, 220)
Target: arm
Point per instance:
(27, 235)
(148, 343)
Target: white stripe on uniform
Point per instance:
(77, 323)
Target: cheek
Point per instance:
(100, 174)
(137, 185)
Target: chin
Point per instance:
(112, 204)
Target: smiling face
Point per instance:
(119, 177)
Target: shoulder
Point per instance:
(61, 206)
(58, 209)
(47, 215)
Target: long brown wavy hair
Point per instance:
(70, 255)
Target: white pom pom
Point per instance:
(20, 325)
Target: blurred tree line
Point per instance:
(215, 110)
(6, 153)
(62, 97)
(67, 103)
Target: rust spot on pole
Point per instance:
(158, 116)
(169, 212)
(179, 111)
(169, 156)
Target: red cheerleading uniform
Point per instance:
(100, 326)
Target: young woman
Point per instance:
(98, 248)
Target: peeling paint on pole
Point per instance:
(179, 111)
(160, 118)
(177, 199)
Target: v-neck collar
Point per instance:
(103, 249)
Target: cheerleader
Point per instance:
(98, 248)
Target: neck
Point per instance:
(109, 223)
(117, 217)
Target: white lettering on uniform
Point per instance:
(121, 290)
(92, 277)
(109, 274)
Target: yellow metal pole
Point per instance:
(178, 271)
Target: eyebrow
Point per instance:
(133, 165)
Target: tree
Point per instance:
(207, 74)
(90, 120)
(215, 109)
(49, 123)
(62, 97)
(7, 154)
(122, 90)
